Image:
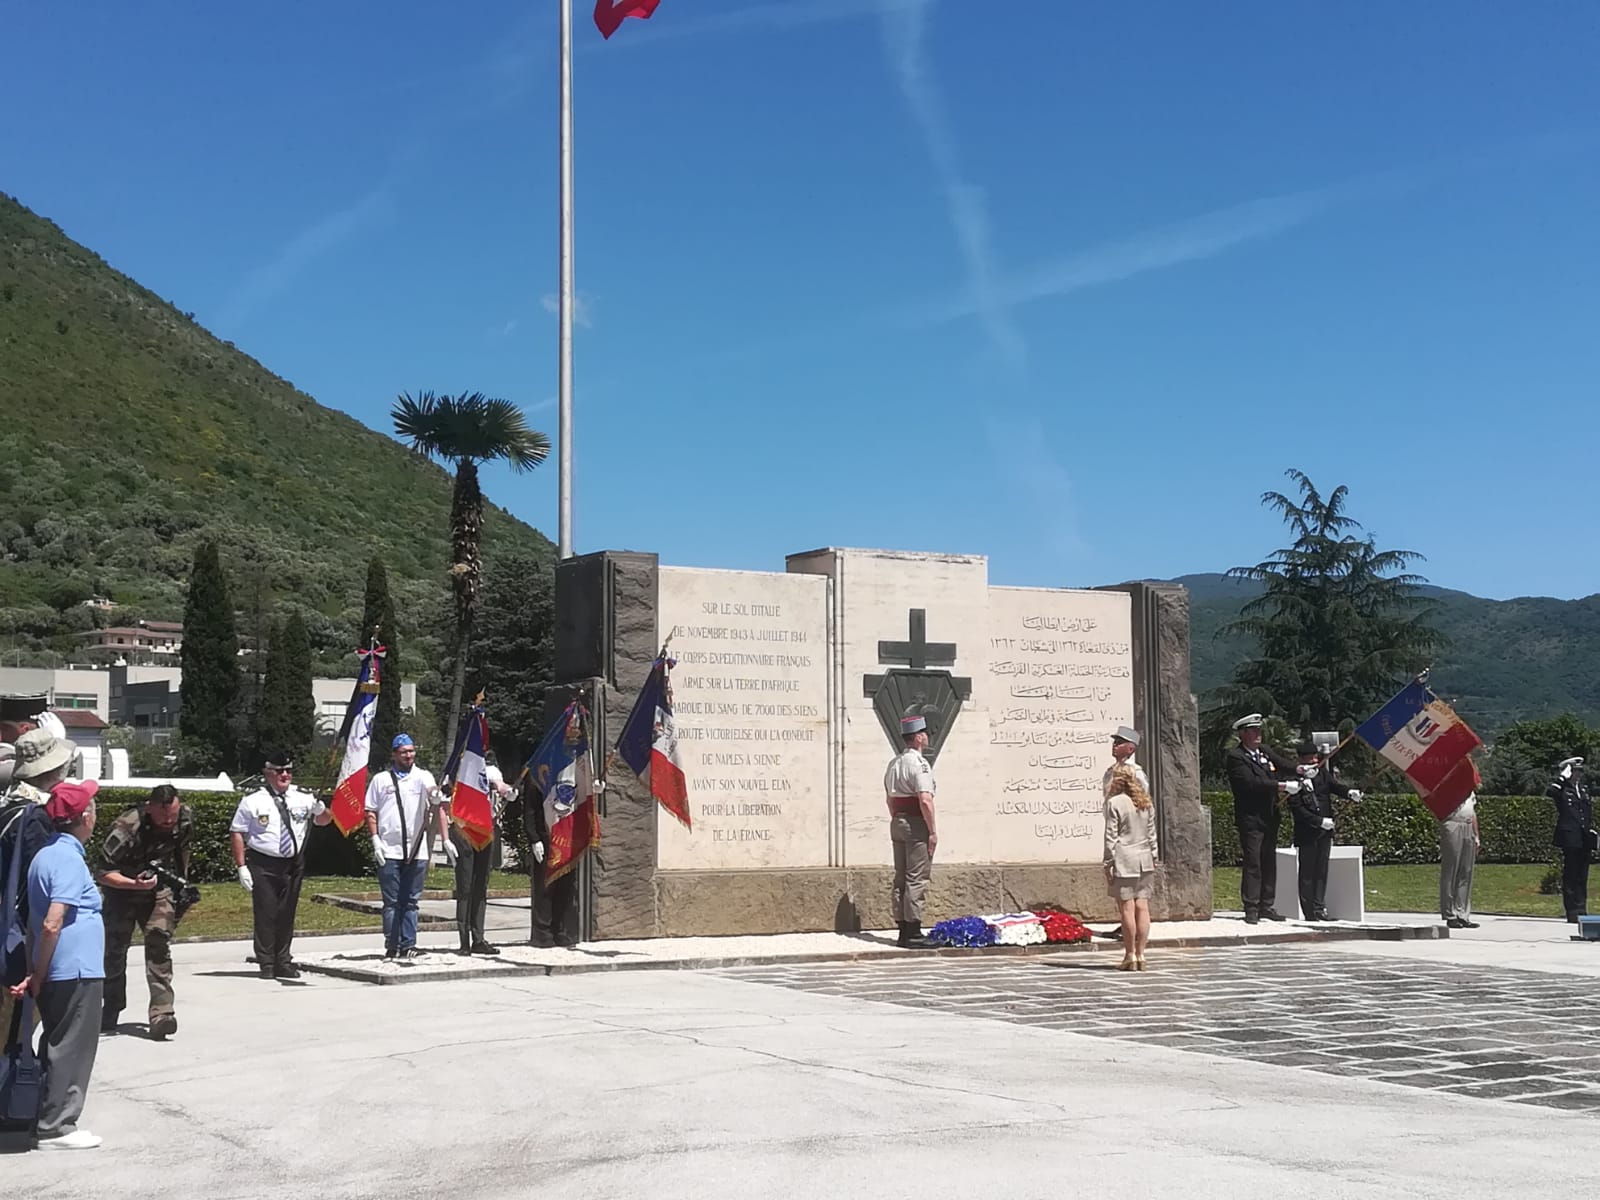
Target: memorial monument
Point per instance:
(788, 692)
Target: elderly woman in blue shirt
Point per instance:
(66, 964)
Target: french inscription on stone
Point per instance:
(1060, 681)
(751, 707)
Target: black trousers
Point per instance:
(472, 889)
(273, 901)
(555, 916)
(1575, 881)
(1313, 872)
(1258, 881)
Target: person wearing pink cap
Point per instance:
(66, 964)
(908, 787)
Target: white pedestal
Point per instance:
(1346, 897)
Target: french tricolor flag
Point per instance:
(350, 793)
(649, 742)
(470, 808)
(1423, 736)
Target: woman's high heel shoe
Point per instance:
(1139, 963)
(1126, 964)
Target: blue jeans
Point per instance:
(401, 885)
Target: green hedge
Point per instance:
(1398, 829)
(211, 857)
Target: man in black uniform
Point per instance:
(1258, 776)
(1575, 835)
(553, 915)
(1312, 807)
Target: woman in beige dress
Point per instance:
(1130, 860)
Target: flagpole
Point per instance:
(564, 411)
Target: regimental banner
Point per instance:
(1422, 736)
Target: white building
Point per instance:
(83, 688)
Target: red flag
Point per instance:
(610, 14)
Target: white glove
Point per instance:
(378, 856)
(245, 881)
(538, 852)
(1291, 788)
(1566, 772)
(449, 851)
(1327, 823)
(1357, 795)
(318, 808)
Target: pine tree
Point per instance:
(210, 660)
(378, 614)
(1339, 627)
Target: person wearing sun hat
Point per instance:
(909, 787)
(66, 957)
(40, 760)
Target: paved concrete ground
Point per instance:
(693, 1084)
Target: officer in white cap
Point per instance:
(908, 787)
(1258, 775)
(1574, 835)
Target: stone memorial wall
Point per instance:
(788, 691)
(750, 694)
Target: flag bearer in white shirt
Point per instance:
(403, 803)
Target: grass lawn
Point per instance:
(1509, 888)
(224, 908)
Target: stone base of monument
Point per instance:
(847, 900)
(440, 964)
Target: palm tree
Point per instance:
(466, 430)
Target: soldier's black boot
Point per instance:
(911, 936)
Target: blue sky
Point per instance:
(1066, 284)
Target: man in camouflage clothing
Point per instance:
(155, 833)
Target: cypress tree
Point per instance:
(300, 703)
(209, 658)
(378, 613)
(287, 713)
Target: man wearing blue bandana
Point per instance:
(400, 804)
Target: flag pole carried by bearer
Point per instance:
(467, 771)
(649, 741)
(562, 769)
(350, 793)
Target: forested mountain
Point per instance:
(128, 434)
(1507, 659)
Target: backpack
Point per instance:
(24, 831)
(22, 1075)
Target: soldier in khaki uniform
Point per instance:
(908, 787)
(158, 832)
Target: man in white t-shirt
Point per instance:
(403, 803)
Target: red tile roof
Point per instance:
(79, 718)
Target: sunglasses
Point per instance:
(280, 770)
